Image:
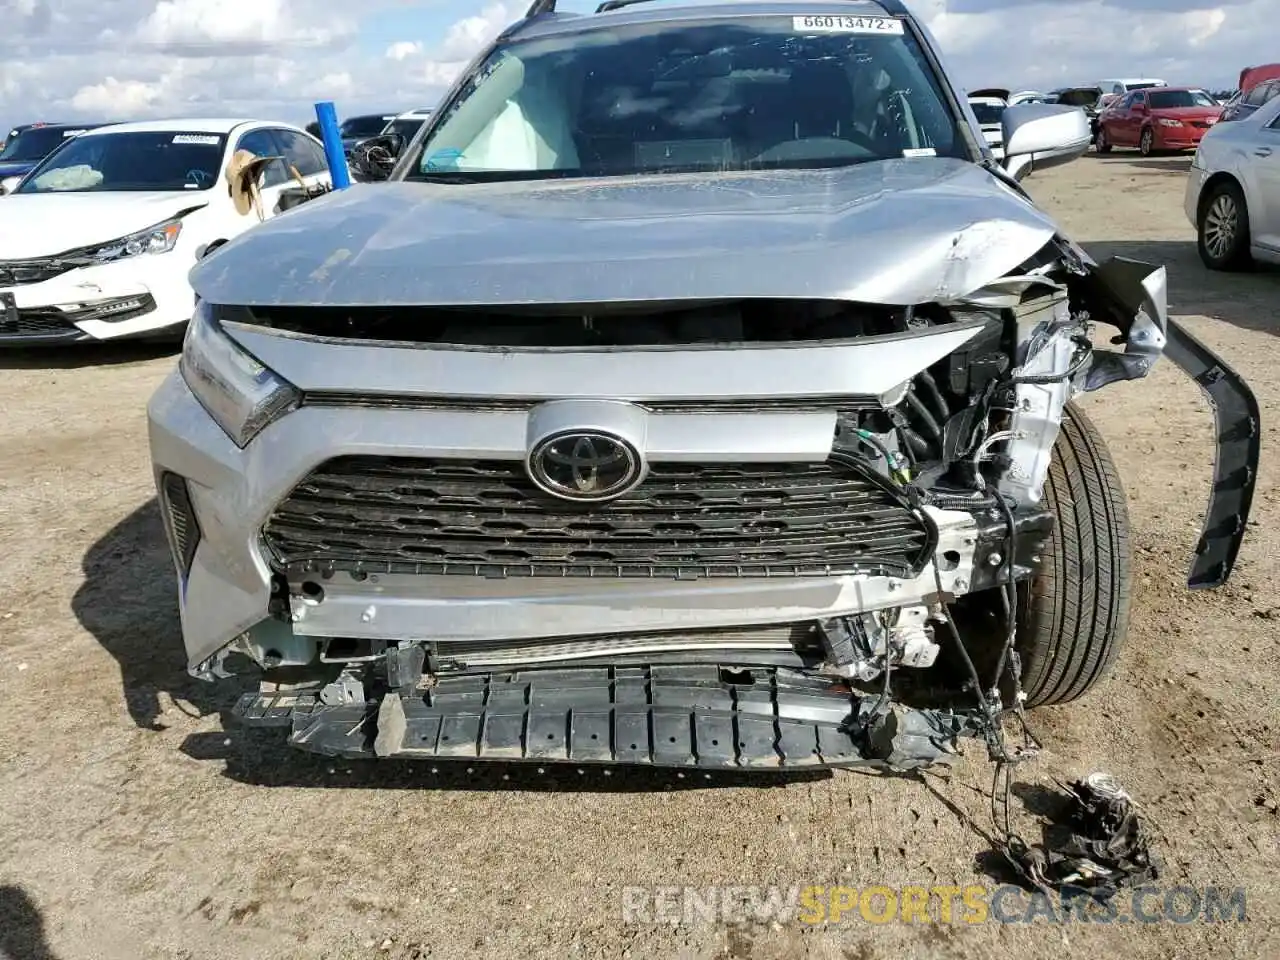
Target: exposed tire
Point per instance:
(1074, 614)
(1147, 142)
(1102, 145)
(1222, 227)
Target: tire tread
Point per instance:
(1075, 614)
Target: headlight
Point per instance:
(239, 393)
(161, 238)
(1169, 123)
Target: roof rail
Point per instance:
(894, 7)
(538, 7)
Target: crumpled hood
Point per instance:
(894, 232)
(45, 224)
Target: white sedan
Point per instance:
(1233, 191)
(97, 241)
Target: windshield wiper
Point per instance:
(451, 177)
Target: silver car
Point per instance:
(695, 392)
(1233, 191)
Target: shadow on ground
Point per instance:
(1241, 299)
(21, 927)
(1170, 164)
(128, 603)
(86, 355)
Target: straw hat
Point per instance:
(243, 173)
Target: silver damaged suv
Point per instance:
(694, 389)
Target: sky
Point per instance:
(85, 60)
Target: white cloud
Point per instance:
(404, 49)
(117, 59)
(468, 35)
(465, 39)
(116, 96)
(1203, 25)
(235, 24)
(1032, 43)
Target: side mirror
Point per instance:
(9, 184)
(1043, 135)
(375, 158)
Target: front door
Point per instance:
(1263, 157)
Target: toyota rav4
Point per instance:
(696, 389)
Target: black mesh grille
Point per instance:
(486, 518)
(37, 323)
(182, 521)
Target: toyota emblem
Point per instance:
(585, 465)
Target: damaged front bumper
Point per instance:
(484, 686)
(662, 716)
(1237, 450)
(1137, 294)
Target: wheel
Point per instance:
(1147, 142)
(1103, 145)
(1222, 231)
(1074, 613)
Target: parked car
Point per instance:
(1027, 96)
(989, 111)
(1011, 97)
(659, 404)
(359, 128)
(408, 124)
(1233, 191)
(97, 241)
(1113, 90)
(18, 131)
(1085, 98)
(1246, 103)
(1250, 77)
(1168, 118)
(26, 146)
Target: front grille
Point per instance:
(54, 324)
(37, 323)
(486, 518)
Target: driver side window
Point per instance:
(261, 143)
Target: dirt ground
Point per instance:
(134, 824)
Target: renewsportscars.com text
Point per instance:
(969, 904)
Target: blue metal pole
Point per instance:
(327, 117)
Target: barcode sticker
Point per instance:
(890, 26)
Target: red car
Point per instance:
(1158, 118)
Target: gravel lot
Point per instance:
(133, 825)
